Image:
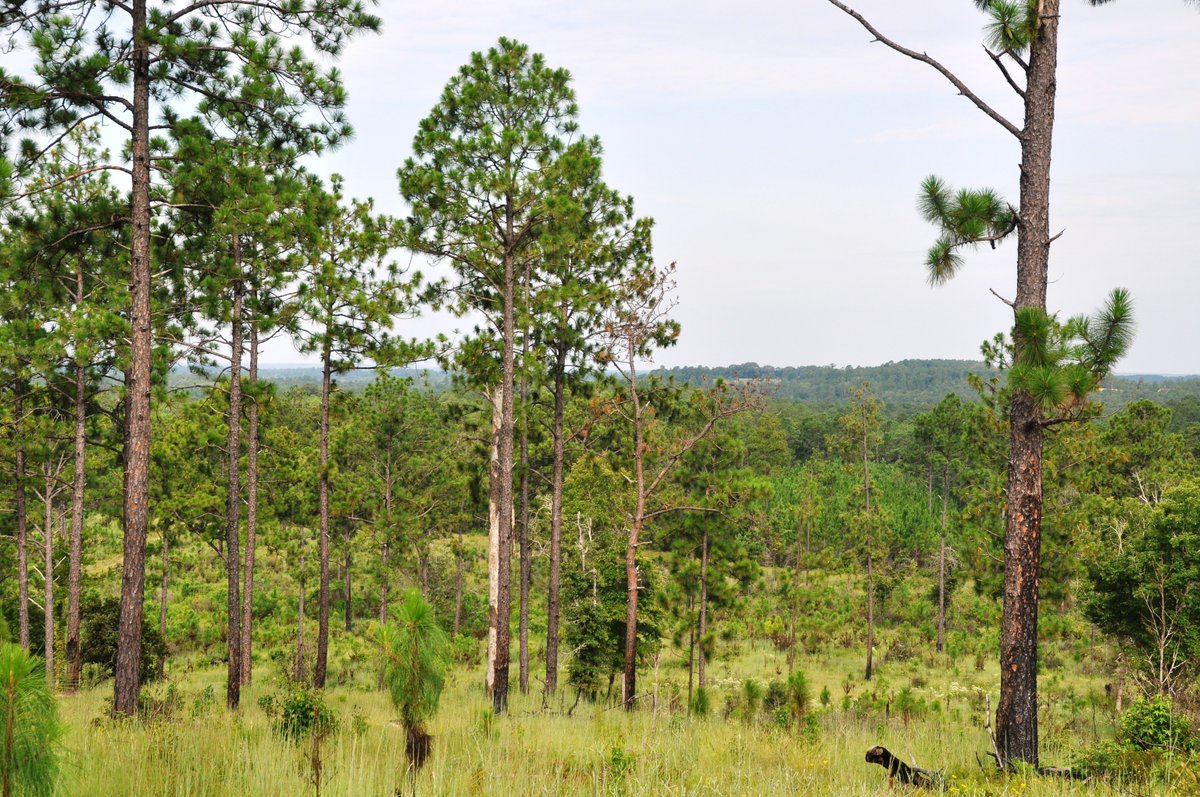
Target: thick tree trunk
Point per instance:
(75, 568)
(233, 509)
(323, 520)
(556, 521)
(504, 490)
(251, 505)
(703, 608)
(48, 578)
(21, 507)
(941, 630)
(1016, 715)
(126, 685)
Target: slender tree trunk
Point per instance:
(251, 505)
(323, 512)
(233, 509)
(22, 510)
(494, 543)
(941, 631)
(1016, 715)
(523, 531)
(127, 686)
(703, 607)
(635, 533)
(349, 594)
(300, 615)
(556, 520)
(75, 568)
(458, 587)
(870, 556)
(386, 555)
(48, 577)
(691, 652)
(162, 598)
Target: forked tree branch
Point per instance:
(926, 59)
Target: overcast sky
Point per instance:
(780, 152)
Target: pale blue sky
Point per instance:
(780, 153)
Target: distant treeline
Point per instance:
(904, 387)
(918, 384)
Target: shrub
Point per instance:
(298, 713)
(101, 623)
(29, 753)
(1154, 724)
(701, 702)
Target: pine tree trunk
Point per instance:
(941, 631)
(556, 520)
(1016, 715)
(458, 587)
(385, 559)
(48, 579)
(635, 533)
(21, 507)
(251, 505)
(233, 509)
(126, 684)
(870, 555)
(75, 568)
(349, 594)
(703, 607)
(493, 543)
(691, 653)
(523, 532)
(504, 491)
(300, 615)
(323, 520)
(162, 599)
(386, 554)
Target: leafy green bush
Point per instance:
(464, 650)
(1154, 724)
(296, 714)
(29, 743)
(101, 622)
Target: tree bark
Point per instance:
(21, 507)
(493, 543)
(504, 451)
(233, 509)
(523, 532)
(941, 630)
(48, 578)
(556, 510)
(162, 598)
(75, 568)
(691, 653)
(126, 685)
(349, 594)
(870, 554)
(386, 553)
(1016, 715)
(323, 520)
(300, 616)
(635, 533)
(458, 587)
(703, 608)
(251, 505)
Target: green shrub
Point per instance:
(1154, 724)
(298, 713)
(101, 622)
(799, 694)
(29, 753)
(464, 650)
(701, 702)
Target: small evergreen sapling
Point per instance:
(414, 649)
(29, 726)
